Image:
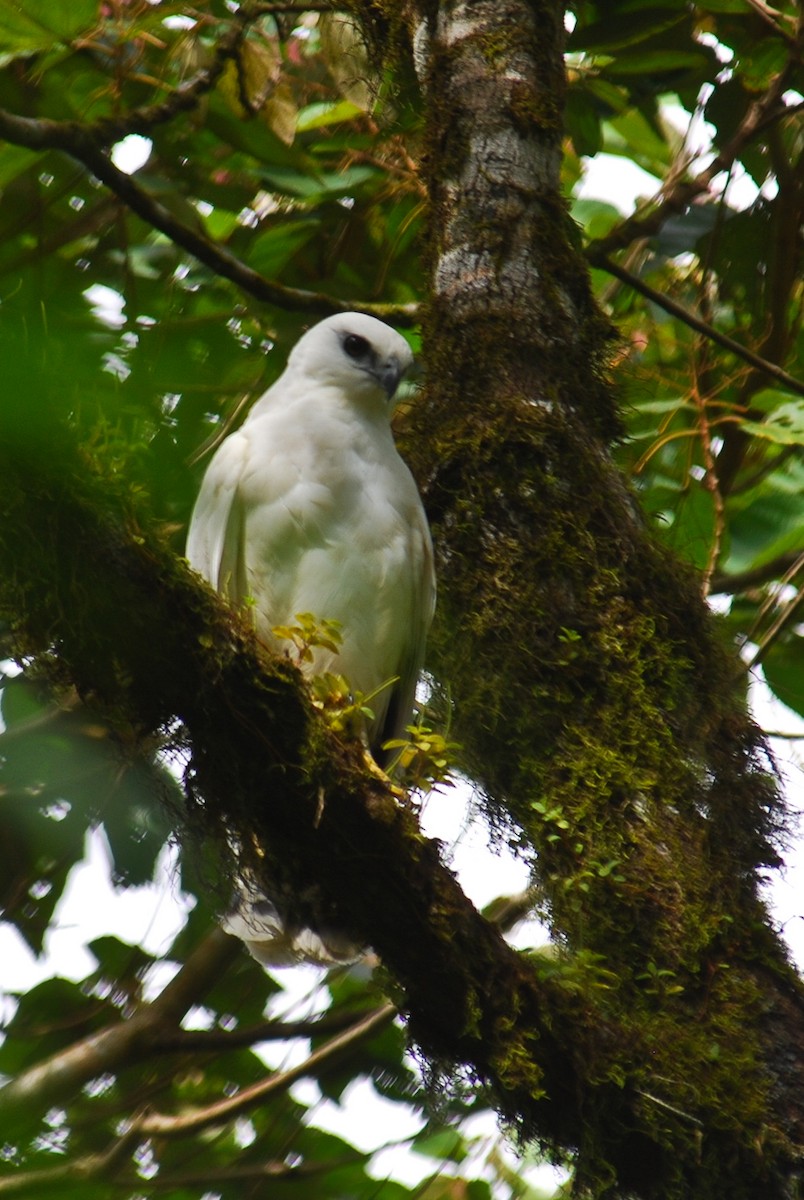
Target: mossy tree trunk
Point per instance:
(598, 707)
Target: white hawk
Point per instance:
(308, 508)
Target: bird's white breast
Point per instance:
(334, 526)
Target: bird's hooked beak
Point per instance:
(389, 374)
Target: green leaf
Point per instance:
(444, 1144)
(30, 25)
(654, 62)
(272, 250)
(317, 116)
(785, 425)
(690, 530)
(49, 1017)
(767, 526)
(762, 61)
(783, 668)
(583, 122)
(631, 134)
(598, 217)
(310, 185)
(623, 29)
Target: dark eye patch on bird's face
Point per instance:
(356, 346)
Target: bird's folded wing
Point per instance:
(215, 538)
(398, 714)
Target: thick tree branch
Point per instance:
(85, 583)
(559, 619)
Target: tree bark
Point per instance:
(596, 704)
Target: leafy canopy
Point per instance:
(272, 142)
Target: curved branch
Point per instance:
(768, 108)
(169, 1125)
(102, 1167)
(183, 1040)
(73, 139)
(65, 1072)
(742, 581)
(79, 573)
(694, 322)
(81, 1170)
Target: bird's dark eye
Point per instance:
(355, 346)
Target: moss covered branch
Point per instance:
(105, 607)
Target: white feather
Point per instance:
(309, 508)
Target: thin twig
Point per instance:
(182, 1040)
(35, 1090)
(769, 15)
(169, 1125)
(671, 1108)
(770, 599)
(767, 468)
(183, 98)
(743, 581)
(784, 618)
(650, 218)
(701, 326)
(712, 485)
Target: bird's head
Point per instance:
(356, 353)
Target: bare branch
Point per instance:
(701, 326)
(72, 139)
(92, 1166)
(63, 1073)
(167, 1125)
(267, 1031)
(743, 581)
(100, 1167)
(680, 194)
